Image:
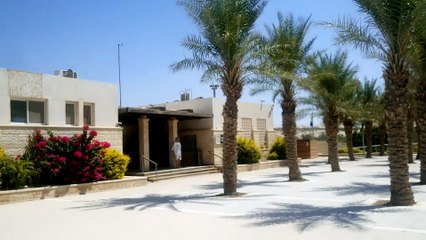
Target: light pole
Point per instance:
(119, 70)
(214, 87)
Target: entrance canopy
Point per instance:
(132, 114)
(150, 132)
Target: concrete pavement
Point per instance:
(330, 205)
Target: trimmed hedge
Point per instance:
(248, 151)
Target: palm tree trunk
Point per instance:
(421, 123)
(331, 130)
(230, 121)
(418, 139)
(369, 137)
(289, 130)
(348, 124)
(382, 134)
(396, 104)
(410, 129)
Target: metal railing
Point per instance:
(155, 164)
(212, 153)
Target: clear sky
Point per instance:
(43, 36)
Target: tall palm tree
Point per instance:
(285, 51)
(367, 96)
(223, 50)
(386, 34)
(331, 79)
(419, 70)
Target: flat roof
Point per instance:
(131, 113)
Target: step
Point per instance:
(179, 172)
(159, 177)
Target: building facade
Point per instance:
(149, 132)
(30, 101)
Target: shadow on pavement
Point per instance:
(358, 188)
(146, 202)
(308, 216)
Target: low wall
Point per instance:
(13, 138)
(29, 194)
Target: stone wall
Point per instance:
(13, 139)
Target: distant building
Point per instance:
(149, 131)
(31, 101)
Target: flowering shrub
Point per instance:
(64, 160)
(115, 163)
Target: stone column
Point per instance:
(173, 133)
(143, 143)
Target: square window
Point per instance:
(18, 111)
(35, 112)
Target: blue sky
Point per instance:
(43, 36)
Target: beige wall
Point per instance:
(13, 139)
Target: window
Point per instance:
(88, 114)
(27, 111)
(246, 127)
(70, 113)
(261, 128)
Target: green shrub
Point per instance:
(1, 152)
(278, 147)
(15, 174)
(114, 163)
(248, 151)
(343, 150)
(357, 150)
(272, 156)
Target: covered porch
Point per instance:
(148, 133)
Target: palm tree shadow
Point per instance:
(308, 216)
(358, 188)
(146, 202)
(244, 183)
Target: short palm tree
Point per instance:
(285, 50)
(330, 80)
(387, 33)
(348, 118)
(223, 51)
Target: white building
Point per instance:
(63, 105)
(150, 131)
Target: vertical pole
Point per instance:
(119, 70)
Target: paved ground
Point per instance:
(329, 206)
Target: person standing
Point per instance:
(177, 151)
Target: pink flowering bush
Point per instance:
(65, 160)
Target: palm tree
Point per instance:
(367, 96)
(419, 72)
(331, 79)
(285, 51)
(348, 118)
(223, 51)
(386, 34)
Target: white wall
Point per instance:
(215, 106)
(57, 91)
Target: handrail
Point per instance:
(212, 153)
(156, 164)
